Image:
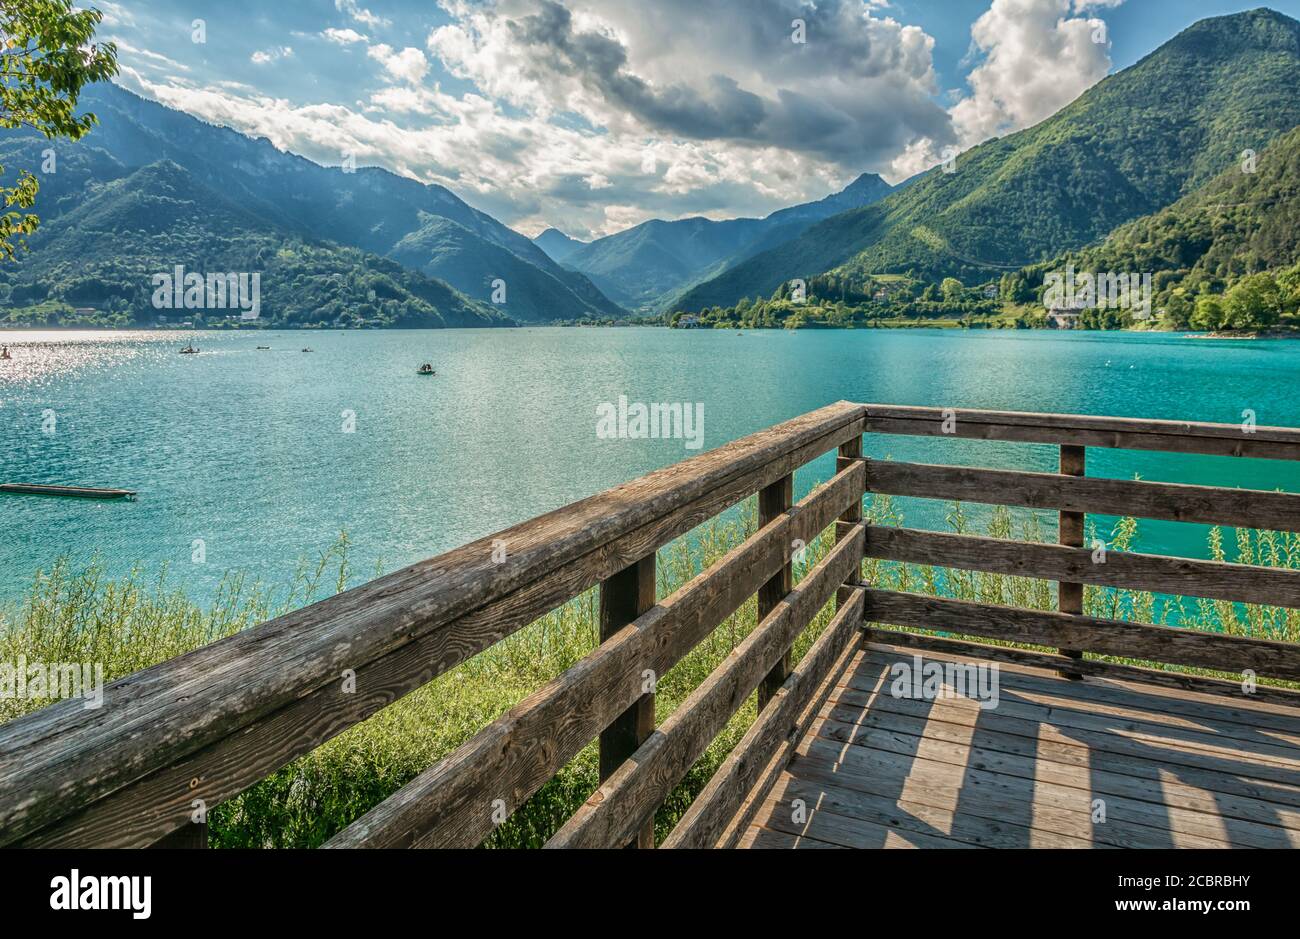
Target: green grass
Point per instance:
(78, 614)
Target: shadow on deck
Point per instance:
(1056, 763)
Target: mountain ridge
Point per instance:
(370, 209)
(646, 266)
(1130, 145)
(159, 216)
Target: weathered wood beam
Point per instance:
(233, 712)
(620, 806)
(1175, 502)
(1275, 443)
(1245, 583)
(703, 823)
(623, 598)
(1069, 596)
(451, 803)
(772, 501)
(1186, 647)
(1094, 668)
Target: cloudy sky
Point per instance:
(595, 115)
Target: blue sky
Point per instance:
(594, 115)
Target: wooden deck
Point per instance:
(1172, 758)
(1170, 768)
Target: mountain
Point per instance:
(105, 250)
(1239, 223)
(557, 244)
(440, 244)
(1129, 146)
(369, 209)
(645, 266)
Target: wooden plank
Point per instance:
(767, 839)
(772, 501)
(736, 827)
(449, 804)
(235, 711)
(1170, 644)
(1212, 710)
(988, 795)
(1231, 773)
(919, 818)
(1176, 502)
(825, 825)
(1269, 760)
(1169, 805)
(1245, 583)
(1093, 667)
(703, 823)
(623, 598)
(1275, 443)
(1069, 596)
(641, 784)
(1135, 701)
(849, 452)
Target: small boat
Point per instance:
(425, 369)
(263, 348)
(4, 353)
(306, 350)
(189, 350)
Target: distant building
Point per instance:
(689, 321)
(84, 309)
(1062, 319)
(1066, 315)
(991, 292)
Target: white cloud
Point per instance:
(149, 57)
(855, 93)
(1037, 59)
(263, 56)
(409, 65)
(114, 14)
(360, 14)
(343, 37)
(1034, 59)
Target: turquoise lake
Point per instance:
(250, 451)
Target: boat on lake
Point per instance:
(425, 369)
(189, 350)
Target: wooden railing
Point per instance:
(199, 729)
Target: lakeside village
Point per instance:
(1262, 303)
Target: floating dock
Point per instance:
(75, 492)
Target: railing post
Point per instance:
(849, 452)
(624, 597)
(1070, 596)
(774, 500)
